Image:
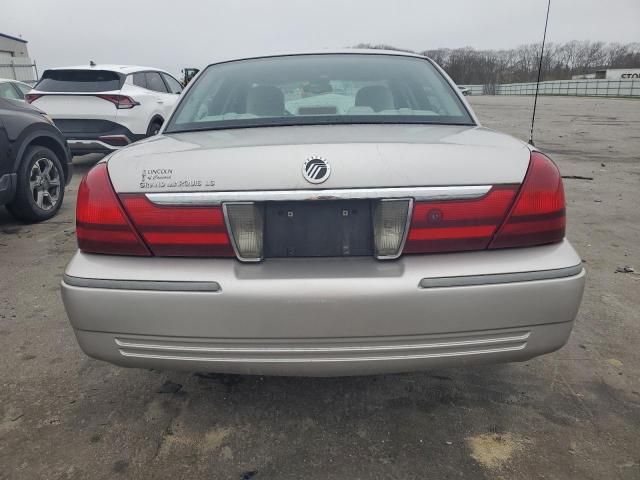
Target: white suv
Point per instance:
(101, 108)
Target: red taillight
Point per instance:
(32, 97)
(101, 224)
(458, 225)
(538, 215)
(179, 231)
(120, 101)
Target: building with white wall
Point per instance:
(14, 59)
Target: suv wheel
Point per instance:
(154, 128)
(40, 188)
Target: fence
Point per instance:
(20, 69)
(581, 88)
(475, 89)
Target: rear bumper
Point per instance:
(324, 317)
(95, 136)
(82, 147)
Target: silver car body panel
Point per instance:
(325, 316)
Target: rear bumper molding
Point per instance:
(441, 282)
(158, 286)
(470, 280)
(328, 356)
(90, 146)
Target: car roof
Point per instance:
(343, 51)
(124, 69)
(14, 104)
(13, 80)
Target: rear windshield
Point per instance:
(79, 81)
(319, 89)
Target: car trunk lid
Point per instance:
(360, 156)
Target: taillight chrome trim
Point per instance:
(231, 233)
(407, 225)
(462, 192)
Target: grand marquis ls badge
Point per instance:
(316, 170)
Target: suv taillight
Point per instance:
(32, 97)
(120, 101)
(538, 214)
(101, 224)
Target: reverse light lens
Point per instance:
(245, 222)
(389, 226)
(101, 225)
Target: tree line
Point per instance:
(561, 60)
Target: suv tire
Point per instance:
(40, 186)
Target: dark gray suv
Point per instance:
(35, 162)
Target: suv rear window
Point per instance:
(79, 81)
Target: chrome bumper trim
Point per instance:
(141, 285)
(327, 360)
(500, 278)
(183, 346)
(417, 193)
(469, 343)
(88, 144)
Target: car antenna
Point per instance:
(535, 98)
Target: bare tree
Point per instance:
(561, 61)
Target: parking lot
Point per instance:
(572, 414)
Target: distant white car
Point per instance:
(464, 90)
(13, 89)
(101, 108)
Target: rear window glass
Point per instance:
(79, 81)
(319, 89)
(7, 91)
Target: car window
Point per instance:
(24, 89)
(172, 83)
(7, 91)
(79, 81)
(155, 83)
(139, 79)
(319, 89)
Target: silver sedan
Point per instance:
(322, 214)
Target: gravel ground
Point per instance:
(571, 414)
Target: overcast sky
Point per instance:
(172, 34)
